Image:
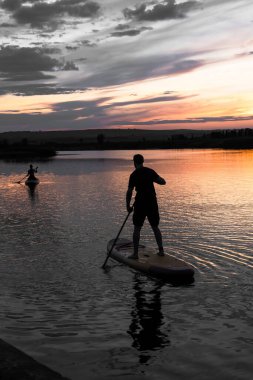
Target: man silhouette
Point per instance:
(142, 180)
(31, 172)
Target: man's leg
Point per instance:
(138, 220)
(136, 239)
(159, 240)
(154, 218)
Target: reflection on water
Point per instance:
(31, 192)
(147, 320)
(57, 304)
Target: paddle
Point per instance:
(21, 180)
(115, 240)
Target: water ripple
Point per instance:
(57, 304)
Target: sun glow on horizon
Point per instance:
(116, 71)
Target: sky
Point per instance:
(162, 64)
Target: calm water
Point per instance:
(57, 304)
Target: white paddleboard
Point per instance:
(166, 267)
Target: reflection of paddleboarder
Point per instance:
(31, 190)
(145, 205)
(147, 319)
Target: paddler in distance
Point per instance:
(142, 180)
(30, 173)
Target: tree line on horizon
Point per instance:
(235, 138)
(226, 139)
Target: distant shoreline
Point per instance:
(43, 145)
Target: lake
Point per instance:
(59, 306)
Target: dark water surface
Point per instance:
(57, 304)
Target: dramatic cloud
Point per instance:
(20, 64)
(73, 114)
(140, 69)
(41, 13)
(96, 114)
(155, 11)
(64, 115)
(164, 51)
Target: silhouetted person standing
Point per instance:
(142, 180)
(31, 171)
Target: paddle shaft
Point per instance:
(115, 240)
(22, 179)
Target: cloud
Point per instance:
(30, 63)
(157, 99)
(197, 120)
(69, 66)
(95, 114)
(38, 63)
(122, 27)
(18, 60)
(38, 89)
(129, 32)
(27, 76)
(7, 25)
(69, 47)
(43, 14)
(64, 115)
(87, 43)
(155, 11)
(79, 44)
(139, 68)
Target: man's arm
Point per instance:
(160, 180)
(128, 198)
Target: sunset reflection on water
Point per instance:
(56, 302)
(205, 206)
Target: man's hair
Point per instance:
(138, 159)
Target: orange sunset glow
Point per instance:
(160, 65)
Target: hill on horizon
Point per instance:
(90, 135)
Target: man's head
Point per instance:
(138, 159)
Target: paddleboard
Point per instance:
(32, 182)
(166, 267)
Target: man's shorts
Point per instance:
(149, 210)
